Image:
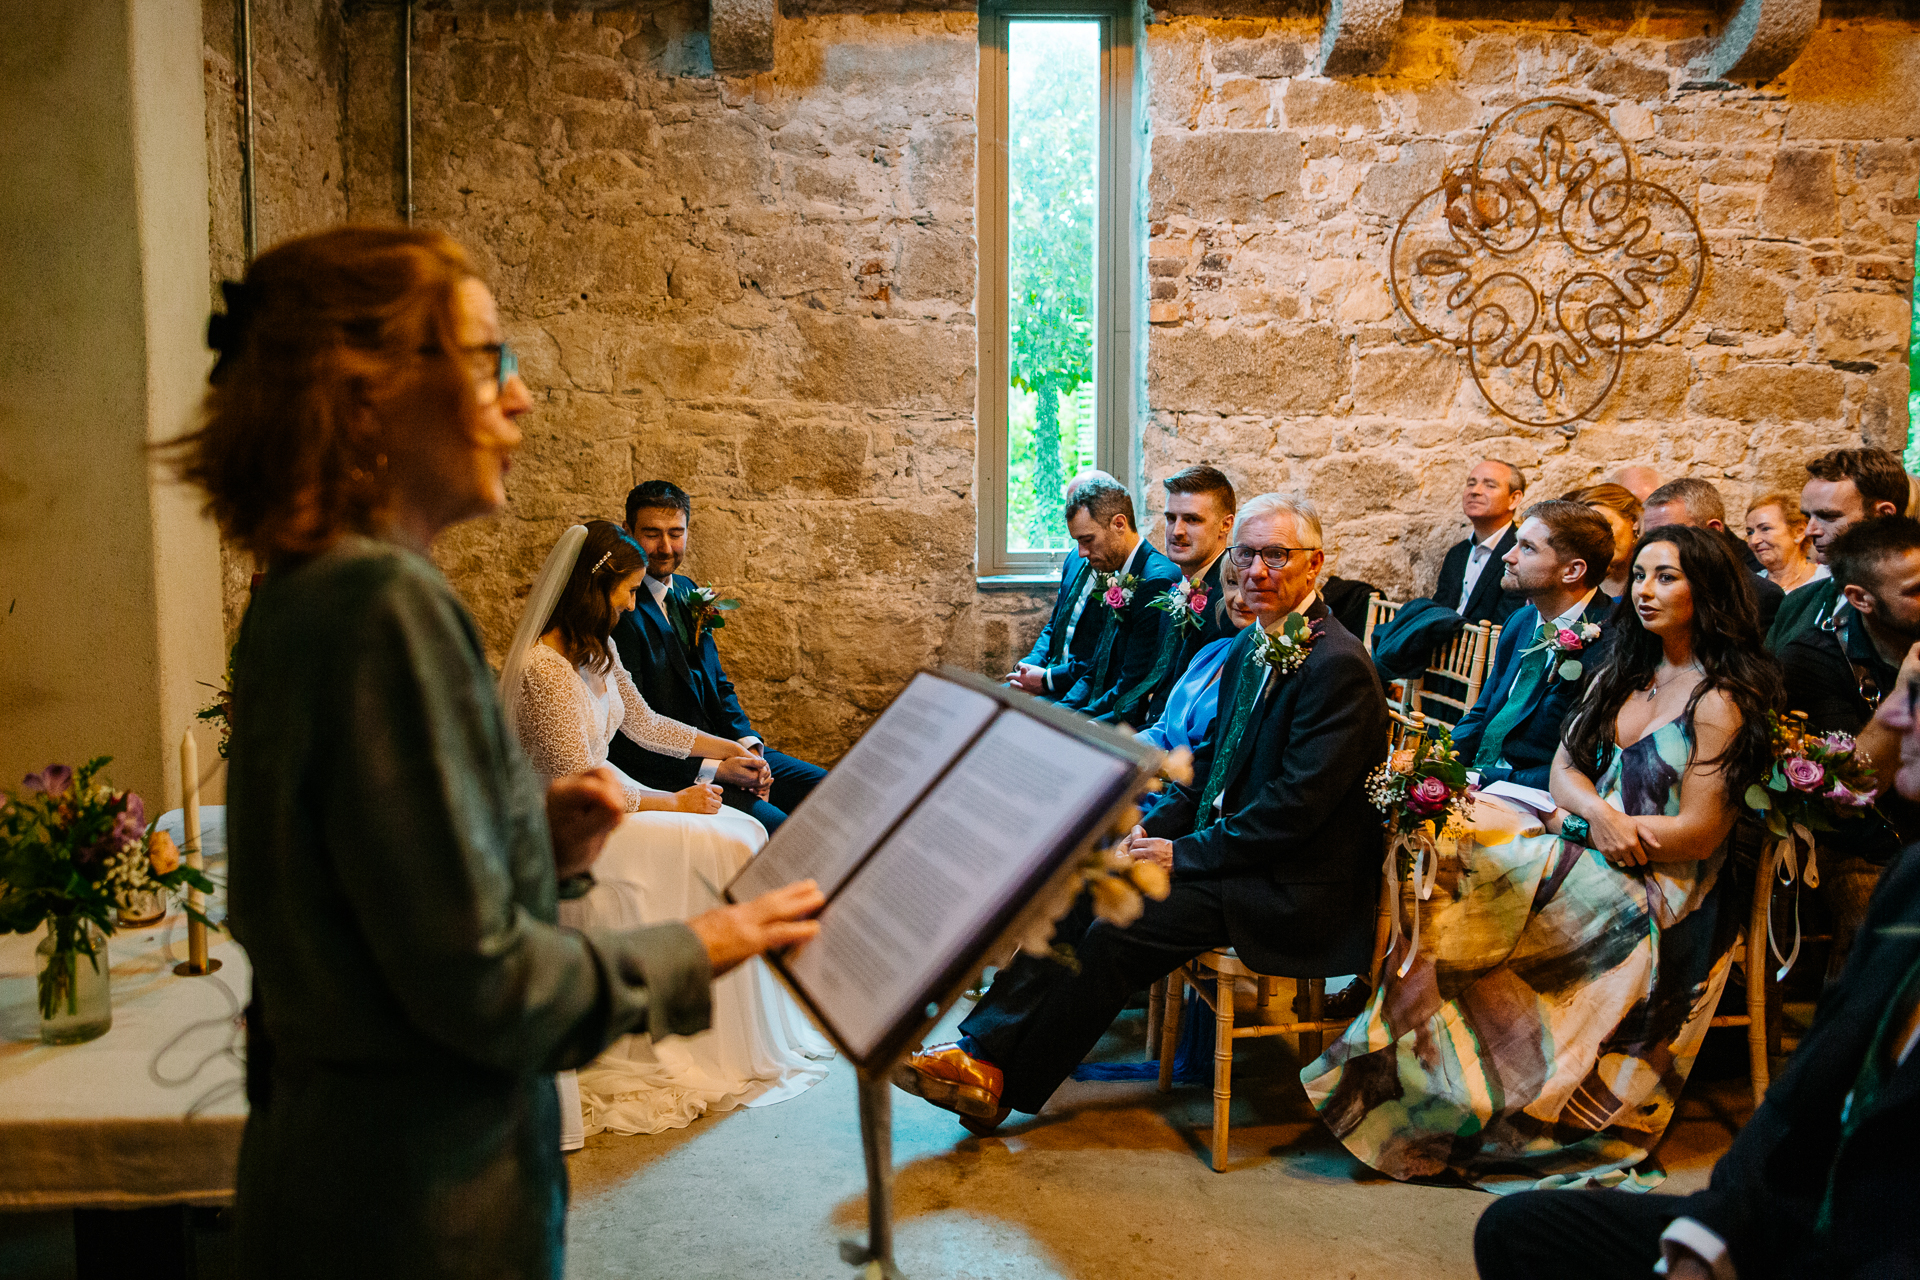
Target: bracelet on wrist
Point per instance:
(1575, 828)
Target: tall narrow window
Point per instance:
(1055, 236)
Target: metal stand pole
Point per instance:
(876, 1142)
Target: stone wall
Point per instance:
(1275, 348)
(764, 287)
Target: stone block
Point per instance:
(712, 163)
(1177, 89)
(940, 167)
(1347, 485)
(699, 276)
(1269, 57)
(1391, 186)
(794, 456)
(1801, 203)
(598, 78)
(1652, 384)
(856, 361)
(1441, 109)
(1234, 177)
(1314, 106)
(1234, 370)
(1861, 326)
(1244, 103)
(494, 74)
(1623, 78)
(1407, 382)
(1884, 409)
(1770, 393)
(801, 261)
(936, 263)
(1742, 299)
(1856, 81)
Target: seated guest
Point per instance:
(1199, 520)
(1697, 504)
(1636, 480)
(1777, 533)
(1837, 674)
(1621, 510)
(1820, 1183)
(1193, 700)
(1563, 981)
(1275, 849)
(1470, 575)
(688, 683)
(1513, 731)
(1095, 639)
(1846, 486)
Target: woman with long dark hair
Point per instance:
(1564, 980)
(392, 855)
(567, 694)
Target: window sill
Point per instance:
(1018, 582)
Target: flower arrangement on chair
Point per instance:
(72, 851)
(1818, 782)
(1422, 790)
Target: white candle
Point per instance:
(190, 785)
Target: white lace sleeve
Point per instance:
(648, 727)
(553, 716)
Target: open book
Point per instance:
(958, 805)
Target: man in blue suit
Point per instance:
(1559, 558)
(1090, 645)
(689, 684)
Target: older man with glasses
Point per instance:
(1274, 849)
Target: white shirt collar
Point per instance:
(1492, 538)
(659, 589)
(1572, 615)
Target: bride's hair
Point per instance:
(1726, 644)
(583, 616)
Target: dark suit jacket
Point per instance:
(1488, 601)
(1065, 665)
(1767, 1190)
(1300, 845)
(1136, 638)
(1215, 626)
(1531, 745)
(696, 692)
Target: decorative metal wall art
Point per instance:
(1545, 260)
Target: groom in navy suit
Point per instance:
(1558, 560)
(691, 686)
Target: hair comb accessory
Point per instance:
(601, 562)
(227, 331)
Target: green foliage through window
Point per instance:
(1053, 134)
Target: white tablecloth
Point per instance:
(149, 1113)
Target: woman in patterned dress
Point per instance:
(1564, 980)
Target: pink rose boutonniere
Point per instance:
(1565, 647)
(1116, 589)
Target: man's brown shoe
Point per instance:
(947, 1076)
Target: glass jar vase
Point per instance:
(76, 997)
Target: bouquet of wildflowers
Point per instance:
(701, 609)
(73, 849)
(1818, 780)
(1186, 600)
(1423, 788)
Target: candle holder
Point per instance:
(186, 968)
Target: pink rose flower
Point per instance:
(1803, 774)
(1198, 602)
(1568, 640)
(1116, 597)
(1428, 796)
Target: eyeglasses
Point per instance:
(1241, 557)
(496, 363)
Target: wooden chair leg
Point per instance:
(1757, 957)
(1156, 1009)
(1222, 1070)
(1311, 1041)
(1174, 995)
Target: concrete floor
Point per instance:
(1110, 1182)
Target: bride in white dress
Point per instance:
(566, 695)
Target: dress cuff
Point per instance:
(1690, 1236)
(707, 770)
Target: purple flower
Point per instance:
(1803, 774)
(1839, 744)
(53, 780)
(1428, 797)
(1842, 794)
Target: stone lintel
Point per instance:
(1762, 39)
(740, 34)
(1359, 35)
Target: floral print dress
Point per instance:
(1548, 1022)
